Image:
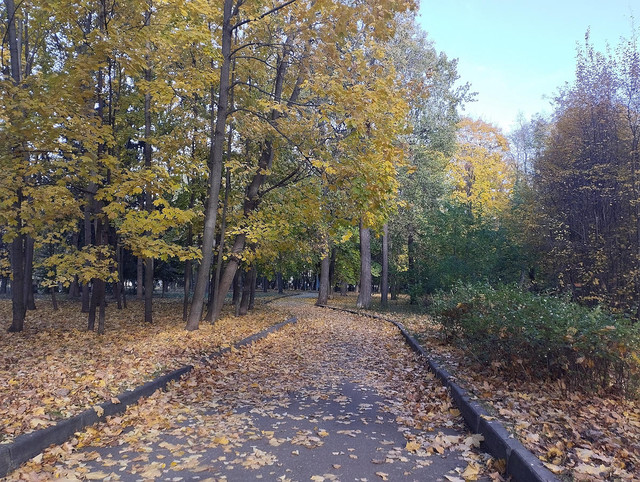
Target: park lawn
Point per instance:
(577, 435)
(55, 369)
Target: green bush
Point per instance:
(541, 336)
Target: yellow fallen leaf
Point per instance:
(323, 433)
(99, 410)
(96, 475)
(221, 440)
(412, 446)
(471, 472)
(589, 469)
(556, 469)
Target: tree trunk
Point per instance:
(188, 264)
(28, 273)
(86, 292)
(246, 293)
(252, 292)
(237, 291)
(215, 165)
(187, 288)
(18, 298)
(211, 308)
(412, 268)
(364, 296)
(384, 282)
(54, 299)
(74, 288)
(19, 309)
(279, 282)
(102, 305)
(148, 290)
(140, 279)
(98, 285)
(148, 195)
(325, 265)
(116, 284)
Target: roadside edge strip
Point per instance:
(27, 446)
(521, 464)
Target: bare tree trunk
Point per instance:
(280, 282)
(98, 291)
(54, 299)
(140, 279)
(252, 292)
(211, 307)
(364, 296)
(28, 273)
(384, 283)
(412, 267)
(246, 293)
(148, 290)
(215, 165)
(188, 265)
(86, 292)
(148, 196)
(325, 265)
(19, 306)
(237, 290)
(187, 287)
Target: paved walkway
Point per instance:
(334, 397)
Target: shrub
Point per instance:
(541, 336)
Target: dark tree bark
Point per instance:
(86, 291)
(411, 252)
(54, 300)
(28, 273)
(215, 166)
(323, 291)
(148, 197)
(279, 282)
(187, 286)
(140, 279)
(237, 290)
(265, 161)
(384, 282)
(148, 290)
(98, 291)
(211, 307)
(364, 296)
(246, 292)
(252, 292)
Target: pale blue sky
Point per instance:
(517, 52)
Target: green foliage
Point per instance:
(541, 336)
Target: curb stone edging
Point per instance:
(27, 446)
(521, 464)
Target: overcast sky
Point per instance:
(516, 53)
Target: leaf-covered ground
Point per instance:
(56, 369)
(577, 435)
(334, 397)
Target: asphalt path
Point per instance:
(334, 397)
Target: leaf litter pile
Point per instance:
(56, 369)
(317, 394)
(578, 436)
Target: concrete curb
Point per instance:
(522, 465)
(26, 446)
